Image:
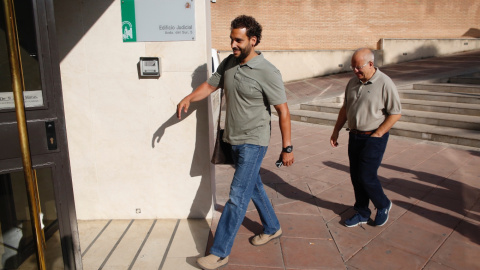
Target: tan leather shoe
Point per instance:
(212, 262)
(262, 238)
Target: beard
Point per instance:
(244, 52)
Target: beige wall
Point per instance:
(127, 150)
(402, 50)
(312, 38)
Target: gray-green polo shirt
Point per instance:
(368, 104)
(250, 89)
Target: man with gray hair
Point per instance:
(371, 107)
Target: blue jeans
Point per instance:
(365, 154)
(246, 185)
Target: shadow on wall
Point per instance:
(78, 20)
(200, 206)
(472, 32)
(75, 18)
(419, 53)
(202, 202)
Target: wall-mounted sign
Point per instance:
(158, 20)
(30, 98)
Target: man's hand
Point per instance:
(334, 138)
(386, 125)
(183, 105)
(200, 93)
(286, 158)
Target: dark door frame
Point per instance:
(52, 110)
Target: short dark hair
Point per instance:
(254, 29)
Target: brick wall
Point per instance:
(346, 24)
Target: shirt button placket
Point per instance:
(359, 91)
(237, 78)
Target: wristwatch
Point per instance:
(287, 149)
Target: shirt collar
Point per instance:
(373, 78)
(252, 63)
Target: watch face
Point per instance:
(288, 149)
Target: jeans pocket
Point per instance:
(375, 146)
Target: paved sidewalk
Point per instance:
(434, 222)
(435, 190)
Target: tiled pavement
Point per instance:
(142, 244)
(435, 190)
(434, 222)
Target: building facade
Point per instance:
(105, 143)
(347, 25)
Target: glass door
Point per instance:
(17, 249)
(47, 144)
(29, 55)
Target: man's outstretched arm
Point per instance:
(203, 91)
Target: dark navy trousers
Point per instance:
(365, 154)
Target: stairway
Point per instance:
(441, 112)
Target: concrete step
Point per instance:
(441, 119)
(441, 107)
(413, 116)
(314, 117)
(439, 96)
(410, 104)
(450, 135)
(448, 87)
(327, 107)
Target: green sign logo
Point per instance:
(129, 32)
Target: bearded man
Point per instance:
(251, 85)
